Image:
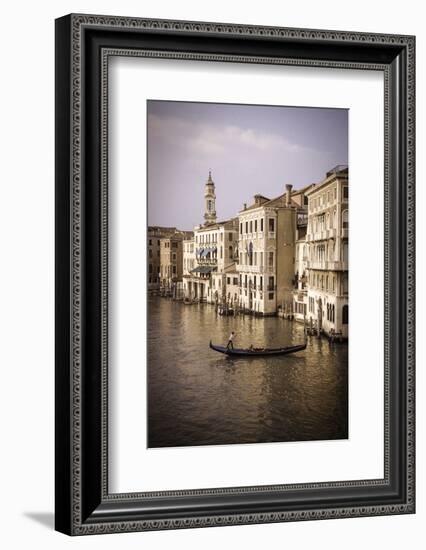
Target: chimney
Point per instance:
(288, 194)
(245, 206)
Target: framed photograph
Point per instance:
(224, 194)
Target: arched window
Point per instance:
(345, 219)
(345, 314)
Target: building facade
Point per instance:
(328, 245)
(267, 237)
(155, 234)
(165, 259)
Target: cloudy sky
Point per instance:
(250, 149)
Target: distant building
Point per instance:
(155, 234)
(165, 259)
(328, 241)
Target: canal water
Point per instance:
(197, 396)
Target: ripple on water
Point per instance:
(197, 397)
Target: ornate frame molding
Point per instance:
(75, 502)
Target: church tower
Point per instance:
(210, 198)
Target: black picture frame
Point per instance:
(83, 45)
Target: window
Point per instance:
(345, 252)
(241, 227)
(235, 280)
(255, 225)
(221, 252)
(150, 253)
(230, 252)
(150, 242)
(174, 270)
(345, 284)
(270, 259)
(345, 315)
(174, 256)
(345, 192)
(261, 224)
(271, 223)
(251, 227)
(270, 283)
(230, 236)
(345, 219)
(261, 283)
(246, 227)
(150, 268)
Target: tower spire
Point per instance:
(210, 200)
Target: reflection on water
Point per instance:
(197, 396)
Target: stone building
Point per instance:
(300, 282)
(267, 235)
(165, 259)
(188, 256)
(155, 234)
(171, 264)
(213, 253)
(328, 240)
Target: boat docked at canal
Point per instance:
(258, 352)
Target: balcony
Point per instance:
(328, 265)
(249, 268)
(207, 261)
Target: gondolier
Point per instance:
(231, 341)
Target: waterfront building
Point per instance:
(300, 282)
(165, 259)
(155, 234)
(214, 253)
(267, 235)
(327, 238)
(171, 264)
(215, 250)
(188, 256)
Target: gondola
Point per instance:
(258, 352)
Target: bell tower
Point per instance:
(210, 198)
